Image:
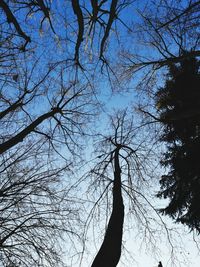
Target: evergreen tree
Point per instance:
(178, 105)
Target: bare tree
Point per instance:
(93, 22)
(49, 62)
(127, 155)
(40, 147)
(110, 251)
(36, 209)
(66, 106)
(170, 28)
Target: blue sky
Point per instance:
(142, 255)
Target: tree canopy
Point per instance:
(62, 63)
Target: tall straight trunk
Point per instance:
(110, 251)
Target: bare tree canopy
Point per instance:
(65, 172)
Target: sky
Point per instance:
(141, 256)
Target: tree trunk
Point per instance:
(110, 251)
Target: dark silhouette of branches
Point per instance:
(112, 17)
(78, 12)
(46, 11)
(61, 114)
(12, 19)
(54, 56)
(122, 154)
(34, 206)
(167, 31)
(182, 13)
(37, 147)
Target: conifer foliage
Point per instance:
(178, 104)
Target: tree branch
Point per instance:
(188, 9)
(20, 136)
(108, 26)
(78, 12)
(11, 19)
